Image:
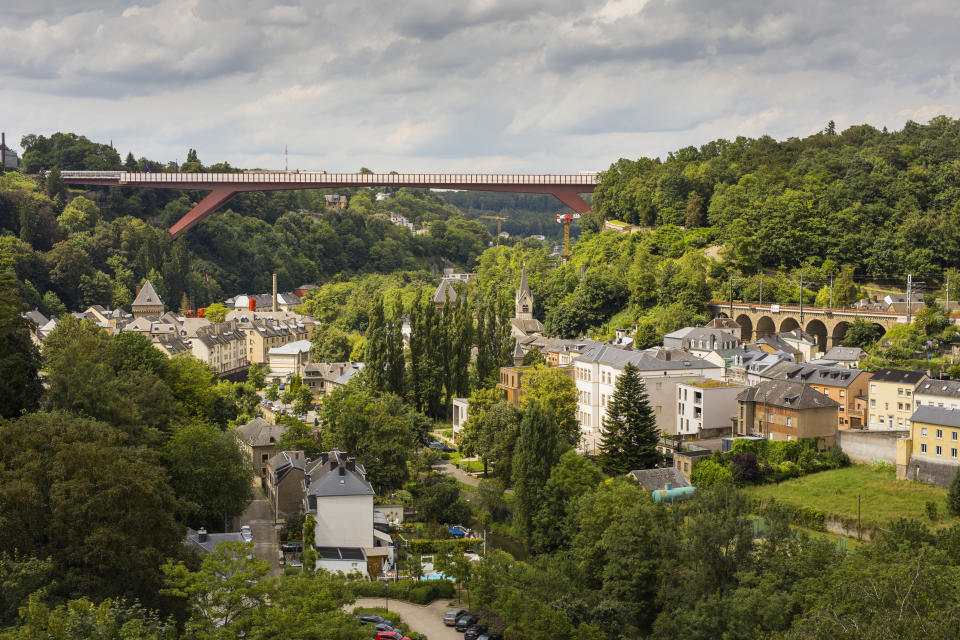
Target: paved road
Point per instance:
(259, 516)
(425, 619)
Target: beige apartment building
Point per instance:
(891, 398)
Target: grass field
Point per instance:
(883, 497)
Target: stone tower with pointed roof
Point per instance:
(148, 304)
(524, 300)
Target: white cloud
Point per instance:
(478, 85)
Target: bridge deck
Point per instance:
(294, 179)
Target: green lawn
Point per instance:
(883, 497)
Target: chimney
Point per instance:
(202, 535)
(253, 304)
(274, 292)
(351, 464)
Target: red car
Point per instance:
(390, 635)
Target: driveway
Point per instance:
(259, 516)
(425, 619)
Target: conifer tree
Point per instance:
(629, 433)
(953, 495)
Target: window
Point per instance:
(953, 436)
(923, 447)
(939, 450)
(659, 386)
(843, 394)
(899, 391)
(873, 403)
(789, 421)
(873, 388)
(899, 406)
(939, 434)
(953, 453)
(909, 393)
(923, 430)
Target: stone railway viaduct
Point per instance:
(828, 326)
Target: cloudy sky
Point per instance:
(487, 85)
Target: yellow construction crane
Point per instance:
(499, 219)
(565, 219)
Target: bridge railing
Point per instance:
(739, 304)
(310, 177)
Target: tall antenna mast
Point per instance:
(286, 159)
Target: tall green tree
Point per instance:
(73, 490)
(573, 477)
(629, 432)
(396, 361)
(539, 447)
(210, 471)
(19, 357)
(375, 356)
(552, 388)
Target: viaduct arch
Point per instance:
(827, 326)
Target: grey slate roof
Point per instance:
(936, 415)
(786, 394)
(258, 432)
(445, 292)
(944, 388)
(656, 479)
(902, 376)
(845, 354)
(332, 475)
(213, 539)
(147, 297)
(524, 288)
(618, 358)
(815, 374)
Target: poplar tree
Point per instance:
(396, 364)
(629, 432)
(539, 447)
(375, 354)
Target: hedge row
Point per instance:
(422, 545)
(418, 592)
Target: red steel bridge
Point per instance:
(223, 186)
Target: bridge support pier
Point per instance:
(213, 201)
(572, 199)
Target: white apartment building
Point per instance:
(937, 393)
(706, 408)
(595, 375)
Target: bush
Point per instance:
(421, 545)
(709, 472)
(408, 590)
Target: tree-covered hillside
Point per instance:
(883, 202)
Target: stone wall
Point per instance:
(870, 446)
(936, 472)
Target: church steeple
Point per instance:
(524, 301)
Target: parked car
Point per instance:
(463, 622)
(384, 627)
(450, 617)
(490, 636)
(246, 533)
(390, 635)
(291, 547)
(367, 618)
(474, 631)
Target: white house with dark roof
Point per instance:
(285, 361)
(937, 393)
(595, 374)
(339, 499)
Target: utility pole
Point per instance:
(801, 298)
(909, 296)
(948, 294)
(731, 295)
